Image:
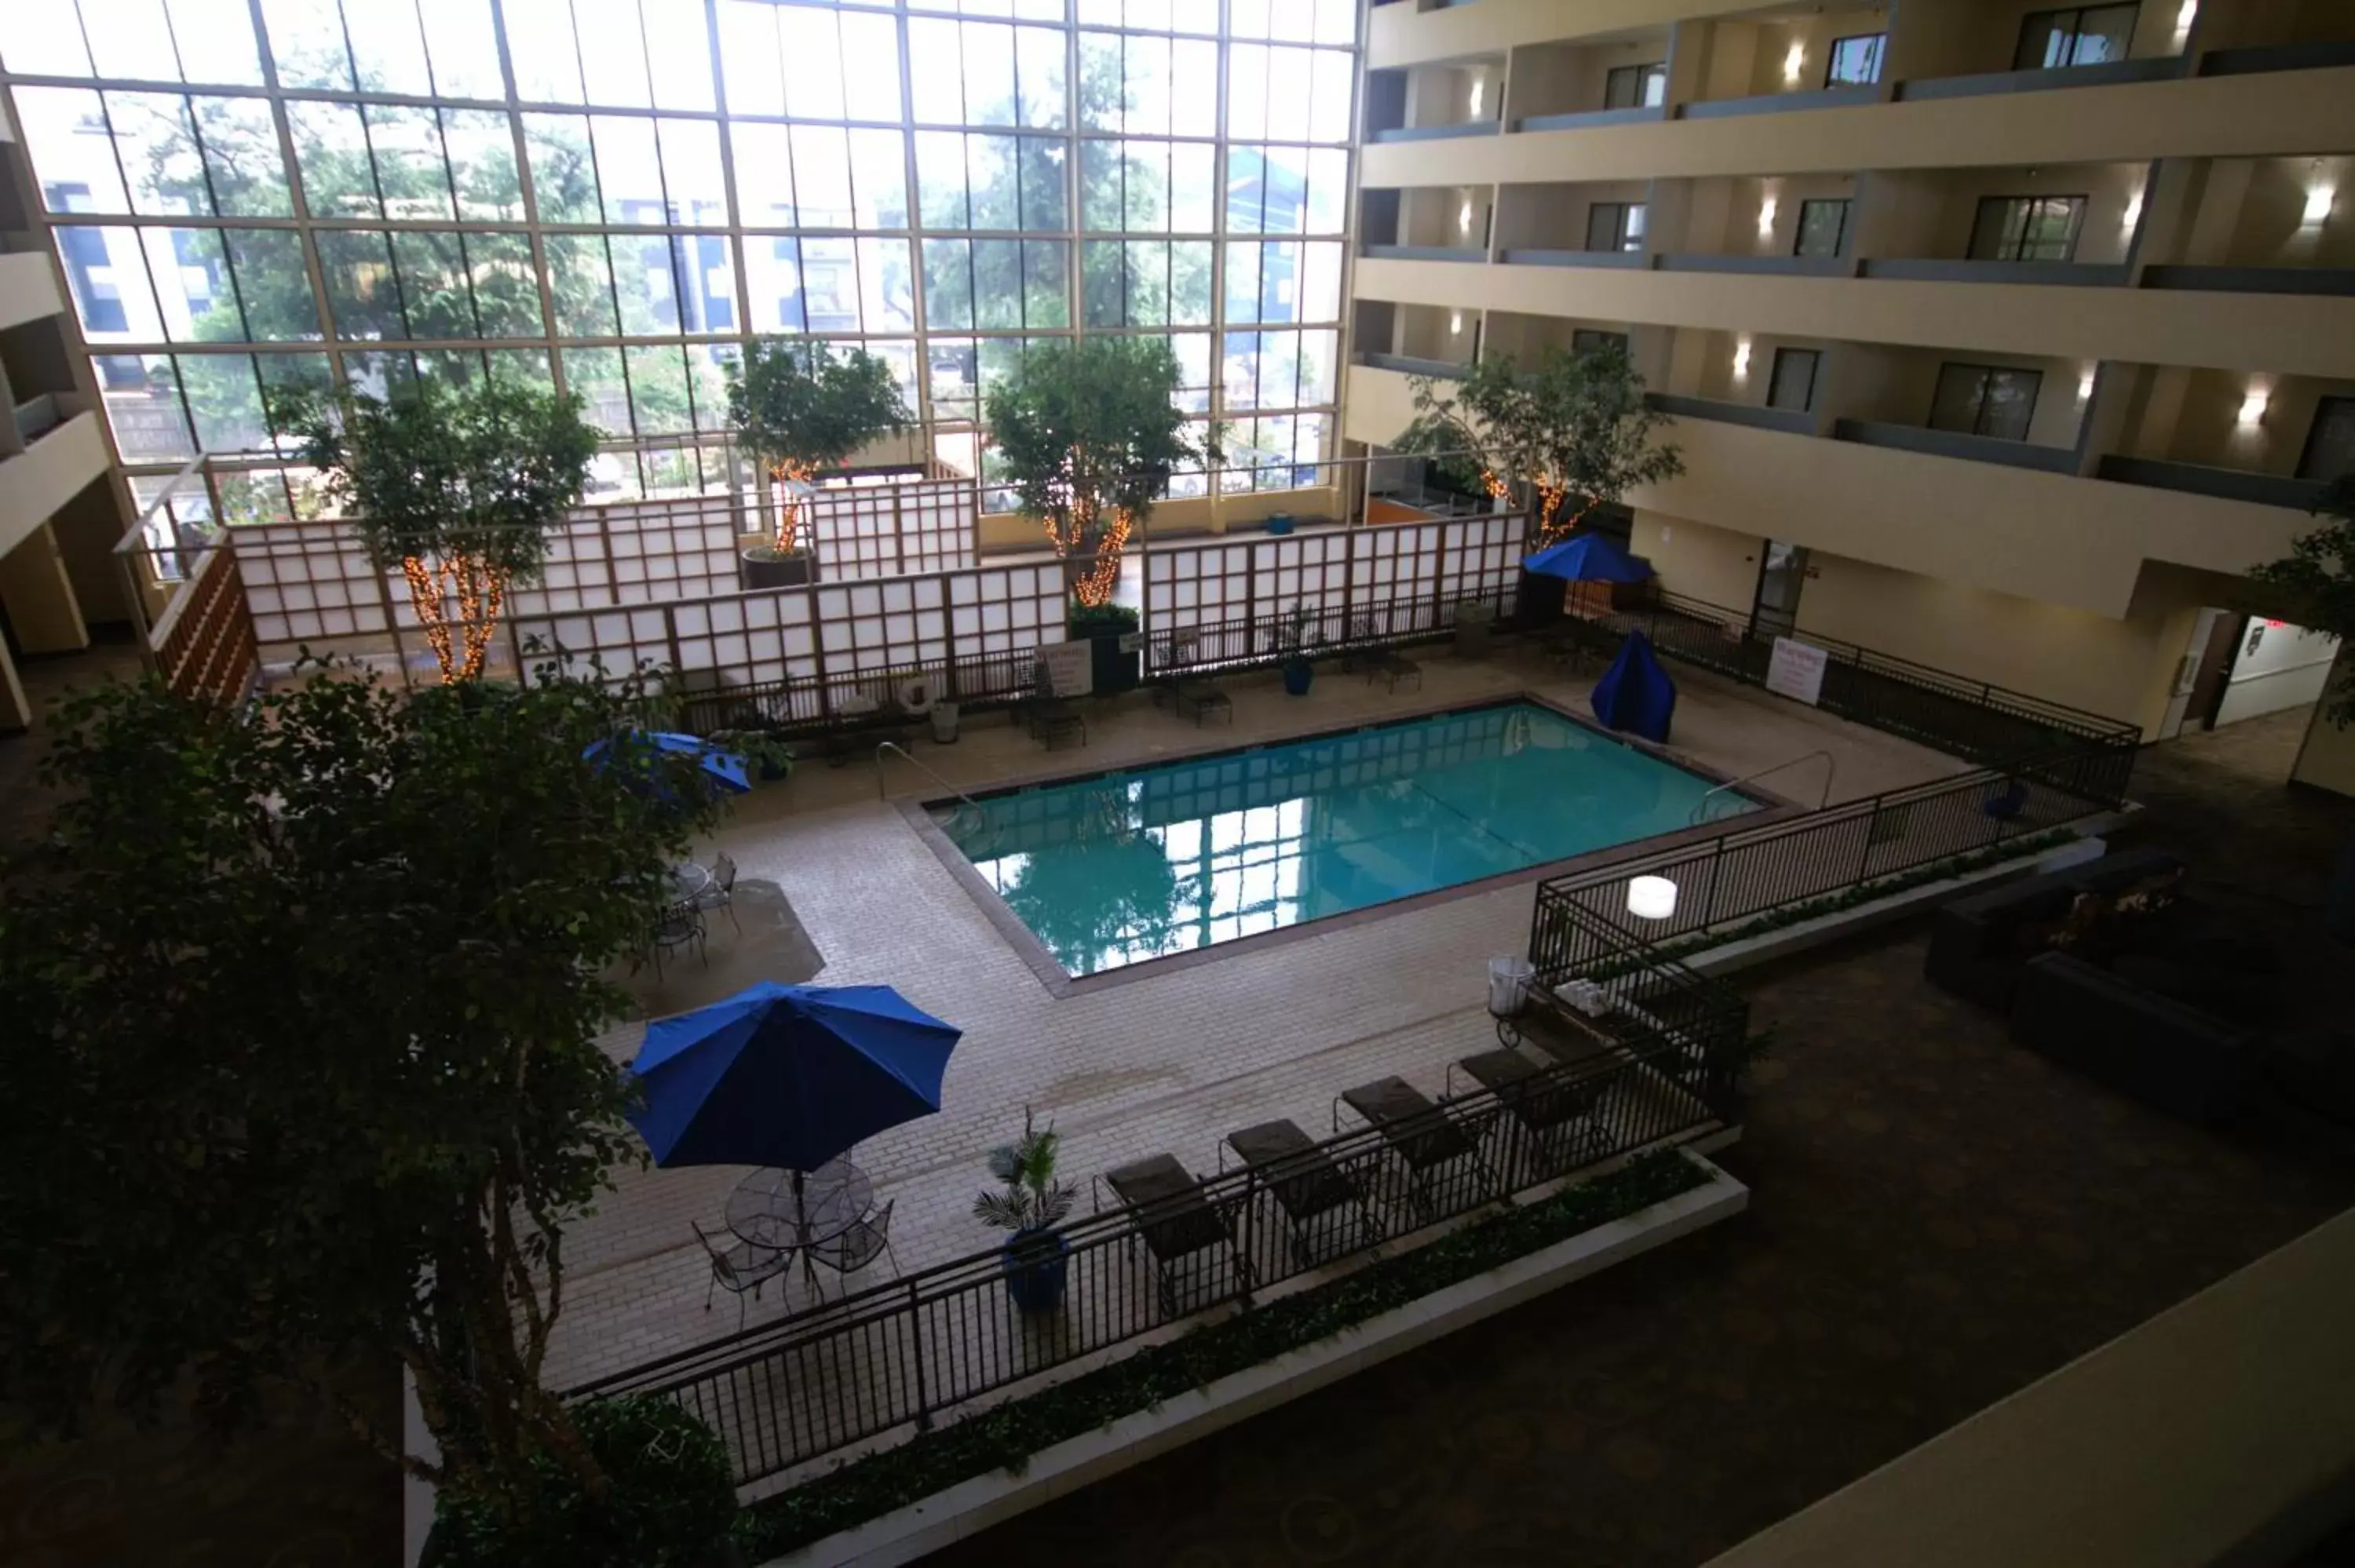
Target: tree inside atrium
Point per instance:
(459, 487)
(1088, 433)
(1563, 435)
(800, 407)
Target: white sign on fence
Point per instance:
(1797, 671)
(1070, 666)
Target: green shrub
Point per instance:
(1098, 620)
(671, 1506)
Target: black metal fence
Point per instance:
(1334, 630)
(1581, 923)
(1977, 720)
(903, 1351)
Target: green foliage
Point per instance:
(1299, 636)
(1087, 430)
(1033, 1199)
(484, 472)
(2319, 575)
(801, 406)
(670, 1502)
(1570, 427)
(1005, 1436)
(303, 1015)
(769, 754)
(1098, 620)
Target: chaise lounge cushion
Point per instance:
(2157, 1049)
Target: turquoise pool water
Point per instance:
(1123, 867)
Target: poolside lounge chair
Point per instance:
(1383, 665)
(1429, 1144)
(1322, 1203)
(1200, 695)
(1184, 1234)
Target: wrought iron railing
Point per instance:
(902, 1353)
(1329, 631)
(1977, 720)
(1581, 927)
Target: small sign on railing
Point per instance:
(1069, 667)
(1797, 670)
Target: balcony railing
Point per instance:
(2223, 483)
(1425, 253)
(2339, 281)
(1407, 364)
(1957, 444)
(1732, 261)
(1436, 132)
(1790, 421)
(1585, 119)
(1843, 96)
(2320, 55)
(1939, 269)
(37, 416)
(1627, 259)
(2155, 68)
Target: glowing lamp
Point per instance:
(2253, 405)
(1464, 217)
(1651, 898)
(1741, 357)
(2318, 201)
(1455, 324)
(2134, 211)
(1795, 62)
(2085, 386)
(1766, 210)
(1479, 94)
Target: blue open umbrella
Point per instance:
(788, 1075)
(725, 769)
(1589, 558)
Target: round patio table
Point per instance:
(834, 1197)
(688, 881)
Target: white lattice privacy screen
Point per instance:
(307, 581)
(890, 530)
(839, 635)
(1364, 569)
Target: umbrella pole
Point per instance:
(800, 1214)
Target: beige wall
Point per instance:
(2194, 416)
(1701, 365)
(1896, 386)
(1967, 37)
(1716, 565)
(1748, 59)
(2226, 116)
(42, 612)
(2273, 333)
(1553, 217)
(1566, 79)
(1931, 212)
(2250, 212)
(2327, 759)
(1436, 217)
(1402, 35)
(1441, 95)
(2118, 668)
(1720, 215)
(1425, 331)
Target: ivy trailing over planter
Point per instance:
(1836, 903)
(1005, 1437)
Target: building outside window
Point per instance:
(2027, 228)
(1856, 62)
(2076, 36)
(1823, 227)
(549, 190)
(1636, 87)
(1984, 400)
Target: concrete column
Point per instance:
(40, 599)
(1688, 56)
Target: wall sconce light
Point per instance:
(1795, 62)
(1455, 324)
(1741, 357)
(2133, 213)
(1766, 210)
(2320, 200)
(1479, 94)
(2085, 385)
(1651, 898)
(2184, 18)
(1464, 217)
(2253, 405)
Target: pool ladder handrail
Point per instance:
(1831, 767)
(881, 794)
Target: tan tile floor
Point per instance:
(1171, 1062)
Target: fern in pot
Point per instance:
(1031, 1203)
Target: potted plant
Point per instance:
(1102, 625)
(1296, 637)
(797, 408)
(1473, 619)
(1032, 1203)
(765, 753)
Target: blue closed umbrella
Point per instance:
(1589, 558)
(787, 1075)
(725, 769)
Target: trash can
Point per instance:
(945, 722)
(1509, 985)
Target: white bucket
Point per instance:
(1509, 985)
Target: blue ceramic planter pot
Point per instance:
(1035, 1264)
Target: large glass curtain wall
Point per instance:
(610, 194)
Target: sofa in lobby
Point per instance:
(2167, 1053)
(1980, 944)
